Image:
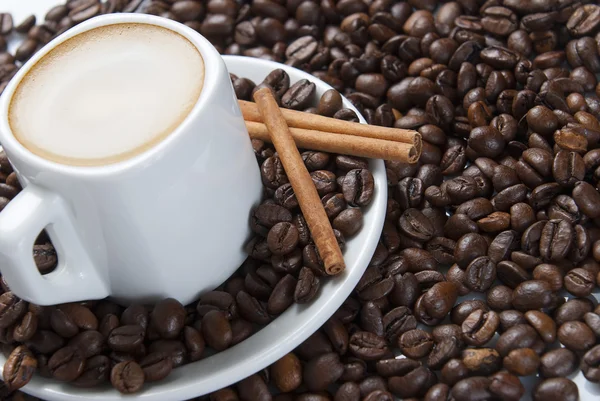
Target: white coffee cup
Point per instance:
(169, 222)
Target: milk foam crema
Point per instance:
(107, 94)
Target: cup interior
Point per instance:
(213, 68)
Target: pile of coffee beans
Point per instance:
(490, 254)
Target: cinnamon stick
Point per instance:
(343, 144)
(304, 188)
(300, 119)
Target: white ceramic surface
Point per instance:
(284, 333)
(169, 222)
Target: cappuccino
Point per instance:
(107, 95)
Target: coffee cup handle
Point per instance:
(74, 279)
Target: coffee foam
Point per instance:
(107, 94)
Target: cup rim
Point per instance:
(213, 66)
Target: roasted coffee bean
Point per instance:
(482, 361)
(510, 318)
(349, 221)
(517, 336)
(26, 328)
(415, 225)
(521, 362)
(479, 327)
(302, 49)
(590, 364)
(476, 208)
(439, 299)
(465, 308)
(532, 294)
(480, 274)
(135, 314)
(272, 173)
(187, 10)
(6, 23)
(216, 329)
(406, 290)
(371, 384)
(486, 141)
(267, 215)
(127, 377)
(194, 342)
(80, 315)
(45, 257)
(126, 338)
(415, 343)
(586, 197)
(89, 343)
(175, 349)
(373, 285)
(442, 249)
(299, 95)
(156, 366)
(395, 367)
(468, 248)
(282, 296)
(368, 346)
(96, 372)
(409, 192)
(558, 388)
(358, 187)
(527, 261)
(579, 282)
(307, 286)
(330, 103)
(499, 297)
(12, 309)
(443, 351)
(282, 238)
(322, 371)
(254, 388)
(413, 384)
(314, 346)
(521, 216)
(504, 199)
(544, 325)
(573, 309)
(511, 274)
(446, 331)
(576, 336)
(559, 362)
(593, 321)
(459, 225)
(45, 342)
(453, 371)
(66, 364)
(568, 168)
(337, 334)
(19, 368)
(287, 373)
(506, 386)
(556, 240)
(217, 300)
(168, 318)
(371, 318)
(354, 369)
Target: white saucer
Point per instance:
(284, 333)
